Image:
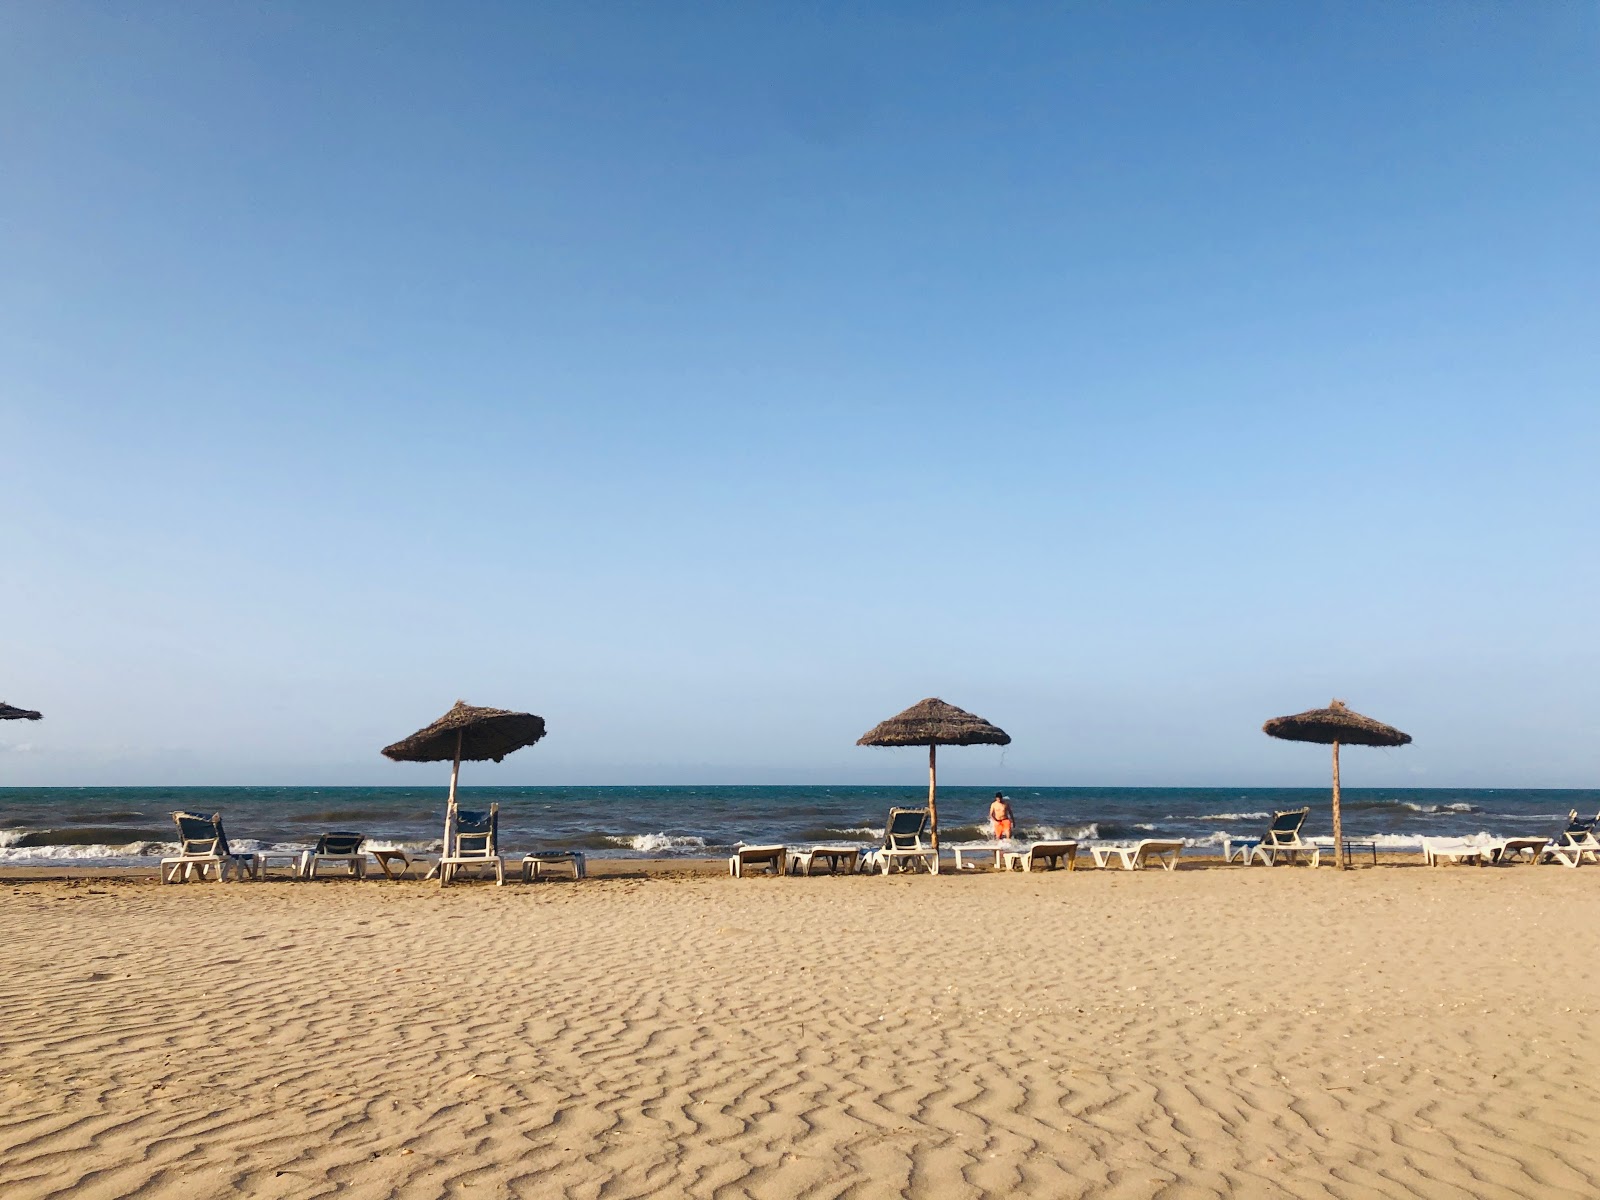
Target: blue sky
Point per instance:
(718, 380)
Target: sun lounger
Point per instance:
(1160, 851)
(203, 846)
(802, 859)
(477, 837)
(1505, 851)
(774, 858)
(541, 861)
(1239, 849)
(1575, 842)
(1051, 854)
(1438, 851)
(903, 843)
(336, 848)
(1282, 840)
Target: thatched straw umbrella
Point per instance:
(1334, 725)
(9, 712)
(465, 732)
(933, 723)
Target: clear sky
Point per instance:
(716, 380)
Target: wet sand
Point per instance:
(670, 1031)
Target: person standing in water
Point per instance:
(1000, 818)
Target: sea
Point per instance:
(132, 826)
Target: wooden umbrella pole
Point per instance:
(450, 808)
(1338, 826)
(933, 793)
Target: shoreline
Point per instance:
(669, 868)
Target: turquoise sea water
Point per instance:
(130, 826)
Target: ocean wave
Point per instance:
(424, 846)
(834, 833)
(1229, 816)
(1394, 841)
(1062, 833)
(334, 818)
(964, 833)
(81, 835)
(1435, 809)
(659, 843)
(103, 854)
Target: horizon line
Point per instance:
(1299, 787)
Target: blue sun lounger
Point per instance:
(203, 846)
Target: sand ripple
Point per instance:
(1209, 1033)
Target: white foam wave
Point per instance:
(1384, 841)
(659, 843)
(94, 854)
(10, 837)
(1244, 816)
(1458, 807)
(1060, 833)
(126, 854)
(427, 847)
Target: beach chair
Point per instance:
(803, 859)
(1438, 851)
(1163, 852)
(336, 848)
(903, 842)
(1572, 844)
(1505, 851)
(541, 861)
(1050, 854)
(203, 846)
(477, 838)
(744, 857)
(1282, 840)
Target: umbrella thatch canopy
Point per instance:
(1335, 725)
(933, 723)
(10, 712)
(465, 732)
(472, 734)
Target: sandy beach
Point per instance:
(1213, 1032)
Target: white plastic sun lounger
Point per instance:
(1574, 842)
(336, 848)
(1283, 840)
(1161, 852)
(903, 846)
(840, 858)
(1044, 855)
(477, 844)
(743, 858)
(203, 846)
(1438, 851)
(1505, 851)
